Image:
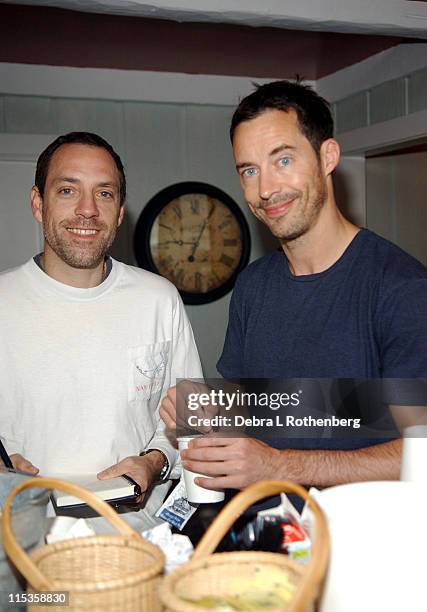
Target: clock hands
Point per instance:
(204, 224)
(196, 244)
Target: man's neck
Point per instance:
(83, 278)
(322, 245)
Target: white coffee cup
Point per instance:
(195, 493)
(414, 454)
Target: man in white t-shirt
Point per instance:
(89, 345)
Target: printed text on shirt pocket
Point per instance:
(147, 368)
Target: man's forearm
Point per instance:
(325, 468)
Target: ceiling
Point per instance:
(226, 37)
(385, 17)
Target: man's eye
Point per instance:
(248, 172)
(66, 191)
(284, 161)
(105, 194)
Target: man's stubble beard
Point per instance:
(304, 220)
(81, 257)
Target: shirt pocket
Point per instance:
(147, 366)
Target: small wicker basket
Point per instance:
(114, 573)
(209, 575)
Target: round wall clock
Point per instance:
(195, 235)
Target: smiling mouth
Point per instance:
(278, 210)
(82, 232)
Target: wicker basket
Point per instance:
(208, 575)
(114, 573)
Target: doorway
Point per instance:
(396, 197)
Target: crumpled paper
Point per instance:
(68, 528)
(176, 547)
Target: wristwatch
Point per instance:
(165, 469)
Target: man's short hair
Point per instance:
(313, 112)
(84, 138)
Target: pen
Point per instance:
(5, 457)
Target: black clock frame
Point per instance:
(152, 210)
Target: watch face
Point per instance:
(196, 236)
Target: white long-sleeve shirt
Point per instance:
(82, 371)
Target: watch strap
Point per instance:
(165, 469)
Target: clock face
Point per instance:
(196, 243)
(196, 237)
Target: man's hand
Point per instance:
(233, 463)
(143, 470)
(168, 409)
(23, 465)
(178, 396)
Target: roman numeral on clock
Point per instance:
(226, 260)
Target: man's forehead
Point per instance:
(270, 131)
(269, 120)
(81, 157)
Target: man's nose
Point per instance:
(87, 206)
(268, 184)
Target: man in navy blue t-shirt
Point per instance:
(334, 302)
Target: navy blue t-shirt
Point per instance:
(365, 317)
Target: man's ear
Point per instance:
(329, 155)
(121, 215)
(37, 204)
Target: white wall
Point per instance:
(385, 66)
(109, 84)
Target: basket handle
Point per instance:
(20, 558)
(317, 566)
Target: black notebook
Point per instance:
(120, 492)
